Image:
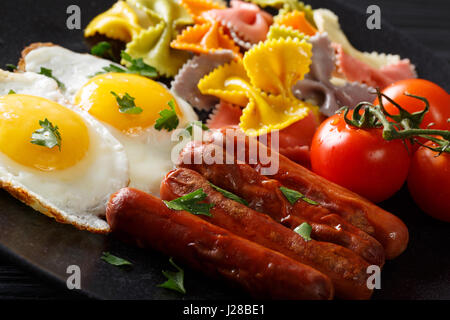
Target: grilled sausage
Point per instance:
(146, 221)
(347, 270)
(389, 230)
(264, 195)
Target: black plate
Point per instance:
(48, 248)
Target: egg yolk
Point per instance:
(19, 119)
(96, 97)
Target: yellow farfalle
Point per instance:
(297, 20)
(265, 113)
(120, 22)
(275, 66)
(204, 38)
(228, 82)
(262, 82)
(148, 27)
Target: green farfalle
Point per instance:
(153, 44)
(283, 32)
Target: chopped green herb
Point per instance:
(11, 92)
(199, 124)
(102, 48)
(126, 104)
(229, 195)
(168, 118)
(175, 280)
(191, 202)
(11, 67)
(115, 261)
(136, 66)
(110, 68)
(293, 196)
(48, 73)
(304, 230)
(48, 136)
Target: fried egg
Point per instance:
(72, 183)
(148, 150)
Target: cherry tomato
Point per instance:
(437, 97)
(429, 182)
(359, 159)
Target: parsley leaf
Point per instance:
(110, 68)
(191, 125)
(292, 196)
(191, 202)
(11, 92)
(229, 195)
(304, 230)
(101, 48)
(48, 73)
(138, 66)
(126, 104)
(115, 261)
(11, 67)
(168, 118)
(48, 136)
(174, 279)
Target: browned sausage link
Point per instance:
(347, 270)
(145, 220)
(264, 195)
(389, 230)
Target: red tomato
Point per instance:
(437, 97)
(359, 159)
(429, 182)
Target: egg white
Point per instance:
(149, 153)
(71, 68)
(75, 195)
(32, 84)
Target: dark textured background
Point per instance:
(426, 21)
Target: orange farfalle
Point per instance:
(204, 38)
(198, 8)
(297, 20)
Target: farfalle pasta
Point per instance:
(185, 82)
(356, 70)
(297, 21)
(119, 22)
(148, 27)
(317, 87)
(242, 55)
(246, 22)
(268, 100)
(205, 38)
(242, 24)
(294, 140)
(375, 69)
(287, 6)
(208, 35)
